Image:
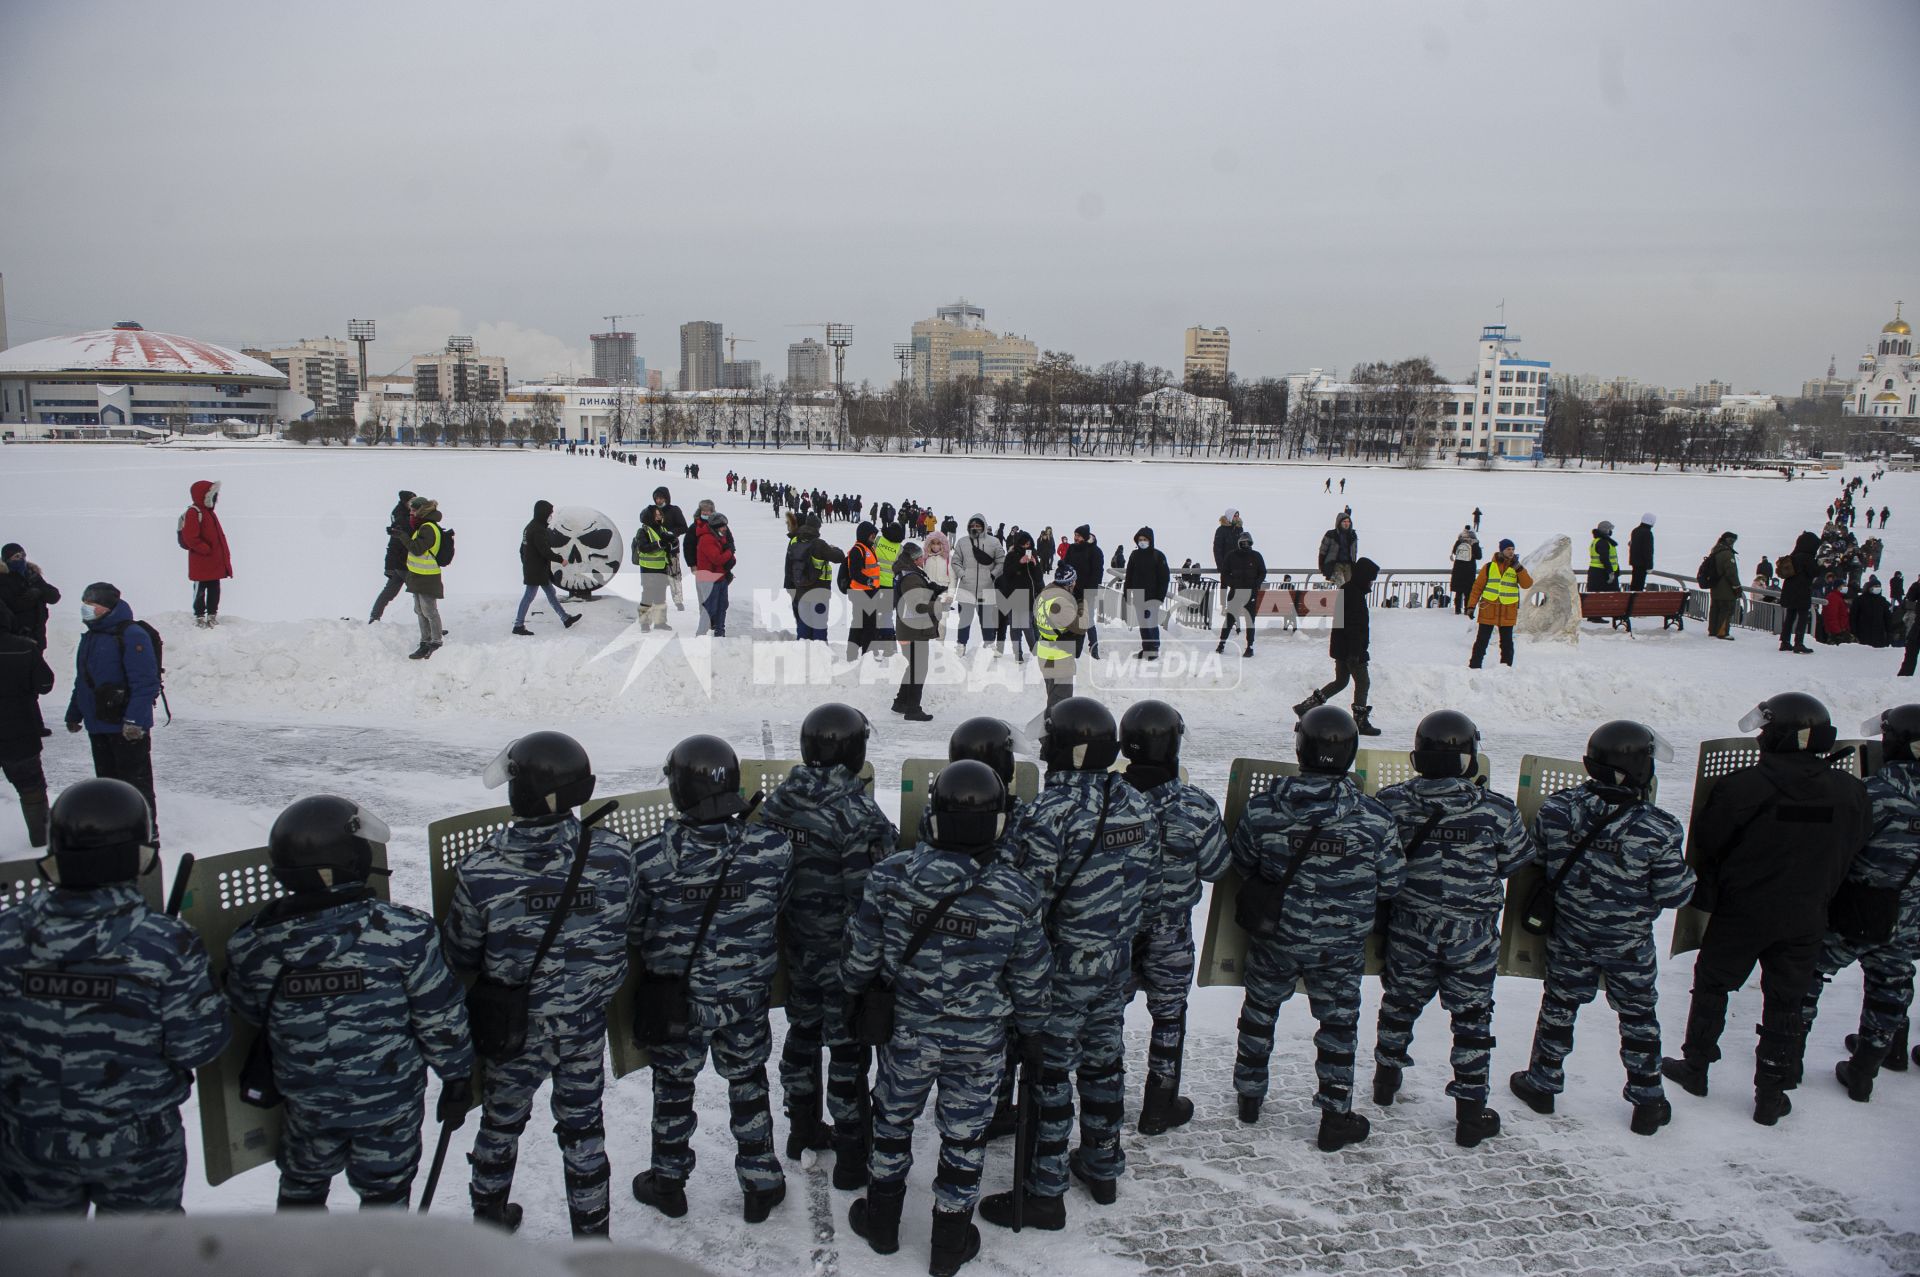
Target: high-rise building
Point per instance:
(321, 369)
(956, 343)
(640, 370)
(613, 357)
(809, 366)
(1206, 354)
(702, 355)
(1831, 386)
(457, 375)
(655, 381)
(740, 374)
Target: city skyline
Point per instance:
(1629, 181)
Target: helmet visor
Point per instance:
(1663, 748)
(1874, 724)
(364, 824)
(1756, 719)
(500, 770)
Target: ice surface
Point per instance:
(295, 693)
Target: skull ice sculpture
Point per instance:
(589, 548)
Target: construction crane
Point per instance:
(734, 341)
(613, 321)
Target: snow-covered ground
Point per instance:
(295, 693)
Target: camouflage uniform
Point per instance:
(984, 964)
(355, 993)
(1887, 858)
(1444, 934)
(503, 897)
(730, 986)
(1604, 927)
(1099, 898)
(838, 834)
(1353, 863)
(105, 1009)
(1193, 849)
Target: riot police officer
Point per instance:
(122, 996)
(1617, 861)
(505, 898)
(981, 962)
(356, 1001)
(1875, 920)
(838, 835)
(1193, 850)
(1093, 847)
(1461, 842)
(1771, 845)
(1315, 856)
(709, 891)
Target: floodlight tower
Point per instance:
(903, 351)
(462, 346)
(361, 332)
(840, 336)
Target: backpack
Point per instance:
(1784, 566)
(1705, 577)
(159, 658)
(843, 578)
(443, 551)
(180, 530)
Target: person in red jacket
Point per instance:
(713, 560)
(208, 560)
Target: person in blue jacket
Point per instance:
(116, 683)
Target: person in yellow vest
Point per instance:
(1603, 560)
(1496, 596)
(1056, 615)
(423, 574)
(651, 556)
(886, 551)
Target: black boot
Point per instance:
(1337, 1130)
(496, 1210)
(1104, 1191)
(758, 1203)
(1770, 1104)
(1313, 700)
(1857, 1074)
(1473, 1121)
(1537, 1097)
(1048, 1214)
(1689, 1075)
(33, 805)
(805, 1130)
(1896, 1058)
(1163, 1108)
(876, 1216)
(1363, 720)
(1386, 1083)
(849, 1160)
(668, 1196)
(955, 1241)
(1651, 1116)
(1249, 1109)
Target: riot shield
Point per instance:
(1375, 769)
(21, 878)
(765, 774)
(916, 778)
(1521, 952)
(1223, 951)
(1730, 754)
(222, 893)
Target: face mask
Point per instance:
(87, 613)
(1143, 544)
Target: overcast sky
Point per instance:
(1672, 191)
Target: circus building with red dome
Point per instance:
(129, 382)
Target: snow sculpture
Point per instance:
(1551, 609)
(589, 548)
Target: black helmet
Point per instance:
(1150, 732)
(985, 740)
(1792, 722)
(1326, 740)
(1899, 730)
(100, 834)
(324, 832)
(1080, 735)
(835, 733)
(967, 807)
(703, 776)
(1446, 744)
(1622, 753)
(545, 773)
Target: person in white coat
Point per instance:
(976, 561)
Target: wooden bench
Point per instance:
(1621, 606)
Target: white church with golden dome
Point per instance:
(1889, 385)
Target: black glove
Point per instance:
(456, 1097)
(1031, 1048)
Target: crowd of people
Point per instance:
(989, 963)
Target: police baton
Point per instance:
(439, 1162)
(177, 898)
(1023, 1137)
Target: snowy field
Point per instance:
(295, 693)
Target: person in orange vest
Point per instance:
(863, 591)
(1496, 596)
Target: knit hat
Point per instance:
(418, 504)
(406, 495)
(1084, 530)
(12, 548)
(1064, 575)
(866, 531)
(1505, 544)
(910, 552)
(1647, 519)
(102, 594)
